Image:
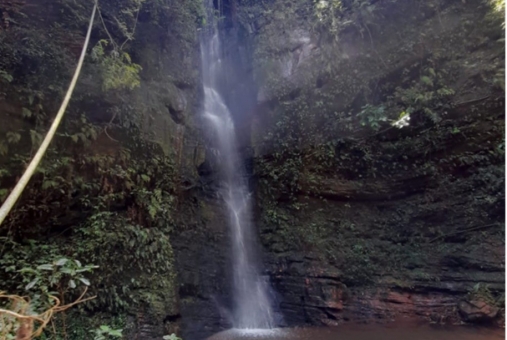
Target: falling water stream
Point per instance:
(252, 307)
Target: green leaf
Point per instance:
(67, 271)
(171, 337)
(3, 149)
(116, 332)
(427, 80)
(82, 270)
(13, 137)
(6, 76)
(45, 267)
(93, 134)
(27, 270)
(26, 113)
(48, 184)
(35, 137)
(32, 284)
(72, 284)
(61, 262)
(85, 281)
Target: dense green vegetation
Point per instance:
(358, 108)
(105, 193)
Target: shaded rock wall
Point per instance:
(361, 220)
(202, 259)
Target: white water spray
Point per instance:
(252, 306)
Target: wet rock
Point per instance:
(204, 284)
(477, 311)
(398, 298)
(297, 50)
(177, 104)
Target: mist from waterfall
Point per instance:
(252, 306)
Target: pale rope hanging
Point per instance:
(20, 186)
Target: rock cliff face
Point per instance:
(363, 220)
(360, 220)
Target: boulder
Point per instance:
(477, 310)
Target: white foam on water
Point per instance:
(251, 333)
(260, 332)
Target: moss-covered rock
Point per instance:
(370, 206)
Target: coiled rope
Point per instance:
(20, 186)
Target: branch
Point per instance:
(19, 316)
(133, 29)
(105, 28)
(108, 124)
(44, 318)
(463, 231)
(472, 101)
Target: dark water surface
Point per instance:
(376, 332)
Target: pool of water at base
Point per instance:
(364, 332)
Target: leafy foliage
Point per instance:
(47, 285)
(61, 275)
(94, 196)
(105, 332)
(429, 95)
(372, 116)
(118, 71)
(171, 337)
(135, 250)
(106, 181)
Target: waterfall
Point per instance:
(252, 305)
